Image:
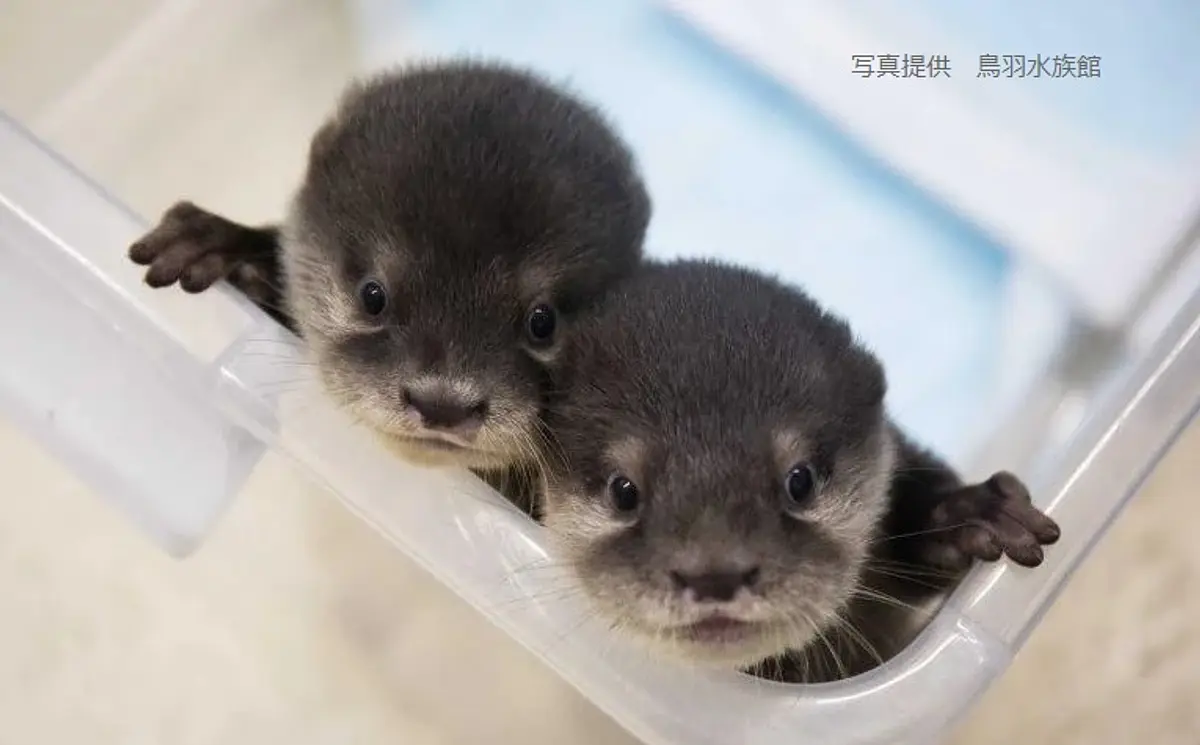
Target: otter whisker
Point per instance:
(918, 533)
(540, 566)
(855, 636)
(916, 580)
(913, 570)
(535, 598)
(866, 593)
(835, 658)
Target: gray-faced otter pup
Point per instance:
(733, 492)
(453, 221)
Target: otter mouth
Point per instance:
(437, 443)
(718, 630)
(432, 442)
(438, 451)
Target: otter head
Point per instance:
(453, 221)
(725, 463)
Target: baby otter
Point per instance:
(733, 492)
(453, 222)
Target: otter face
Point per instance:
(453, 222)
(726, 462)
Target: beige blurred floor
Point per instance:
(296, 624)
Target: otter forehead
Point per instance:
(710, 372)
(463, 160)
(698, 348)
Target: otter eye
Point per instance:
(373, 297)
(540, 324)
(624, 493)
(799, 485)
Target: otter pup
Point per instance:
(453, 222)
(733, 492)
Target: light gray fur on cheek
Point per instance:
(577, 523)
(575, 520)
(852, 504)
(849, 508)
(546, 357)
(325, 314)
(319, 304)
(578, 520)
(869, 477)
(849, 505)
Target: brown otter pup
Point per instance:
(454, 221)
(732, 491)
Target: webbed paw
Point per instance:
(988, 520)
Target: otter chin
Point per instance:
(723, 640)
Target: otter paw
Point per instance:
(987, 521)
(191, 246)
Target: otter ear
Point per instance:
(876, 389)
(865, 378)
(322, 142)
(325, 140)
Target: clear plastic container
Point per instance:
(164, 403)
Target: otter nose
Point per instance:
(443, 409)
(716, 584)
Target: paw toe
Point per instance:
(1009, 487)
(144, 251)
(168, 266)
(979, 542)
(1045, 529)
(203, 273)
(182, 210)
(1033, 521)
(1027, 554)
(161, 275)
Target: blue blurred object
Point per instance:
(741, 169)
(1148, 90)
(1088, 181)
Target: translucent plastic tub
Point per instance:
(163, 403)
